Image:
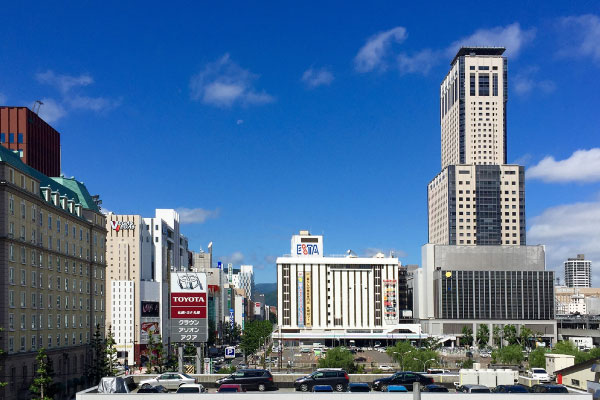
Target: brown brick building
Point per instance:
(37, 142)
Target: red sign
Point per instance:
(188, 300)
(188, 312)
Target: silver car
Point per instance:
(170, 380)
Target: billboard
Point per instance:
(300, 299)
(188, 307)
(150, 309)
(308, 299)
(307, 246)
(390, 304)
(147, 329)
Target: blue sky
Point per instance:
(262, 119)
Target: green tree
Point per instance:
(338, 357)
(510, 334)
(496, 335)
(411, 358)
(537, 358)
(508, 355)
(231, 334)
(431, 343)
(156, 354)
(42, 382)
(256, 334)
(526, 336)
(467, 363)
(400, 351)
(467, 336)
(98, 366)
(483, 335)
(111, 352)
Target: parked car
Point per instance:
(436, 371)
(546, 388)
(510, 389)
(249, 379)
(401, 378)
(170, 380)
(473, 389)
(191, 388)
(360, 359)
(147, 388)
(386, 368)
(359, 387)
(336, 378)
(230, 388)
(435, 388)
(322, 388)
(539, 374)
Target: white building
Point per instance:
(578, 272)
(342, 297)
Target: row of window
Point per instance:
(38, 341)
(35, 304)
(11, 137)
(38, 321)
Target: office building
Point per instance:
(340, 297)
(578, 272)
(52, 240)
(493, 285)
(477, 199)
(574, 300)
(141, 253)
(36, 142)
(217, 289)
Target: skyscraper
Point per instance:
(477, 198)
(36, 142)
(578, 272)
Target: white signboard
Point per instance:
(307, 246)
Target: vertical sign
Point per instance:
(389, 299)
(188, 307)
(232, 318)
(300, 299)
(308, 296)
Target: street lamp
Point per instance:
(424, 362)
(401, 357)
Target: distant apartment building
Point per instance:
(141, 253)
(578, 272)
(34, 140)
(52, 239)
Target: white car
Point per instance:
(386, 368)
(539, 374)
(191, 388)
(170, 380)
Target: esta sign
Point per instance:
(122, 225)
(307, 249)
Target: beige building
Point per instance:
(583, 376)
(477, 198)
(52, 236)
(473, 108)
(571, 300)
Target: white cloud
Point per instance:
(69, 87)
(371, 55)
(568, 230)
(582, 166)
(196, 215)
(51, 110)
(317, 77)
(421, 62)
(234, 258)
(372, 251)
(3, 99)
(239, 122)
(581, 36)
(524, 82)
(224, 83)
(512, 37)
(64, 83)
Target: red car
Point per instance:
(230, 388)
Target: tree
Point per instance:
(511, 354)
(537, 358)
(467, 336)
(400, 351)
(568, 347)
(431, 343)
(411, 358)
(510, 334)
(156, 354)
(526, 335)
(496, 332)
(256, 334)
(483, 335)
(338, 357)
(99, 366)
(232, 334)
(111, 352)
(40, 388)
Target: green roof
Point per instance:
(65, 186)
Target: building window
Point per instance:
(495, 85)
(472, 84)
(484, 84)
(19, 138)
(11, 138)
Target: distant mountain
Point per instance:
(270, 292)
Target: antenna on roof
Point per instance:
(37, 103)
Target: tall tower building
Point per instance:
(578, 272)
(477, 198)
(36, 142)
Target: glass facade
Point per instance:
(488, 206)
